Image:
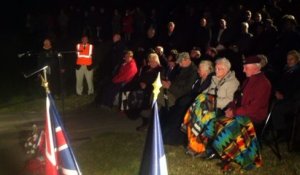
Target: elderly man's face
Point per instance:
(291, 60)
(250, 69)
(184, 63)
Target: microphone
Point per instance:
(27, 53)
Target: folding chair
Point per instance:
(294, 137)
(272, 143)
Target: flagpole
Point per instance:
(154, 159)
(45, 84)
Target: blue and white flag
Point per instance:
(154, 159)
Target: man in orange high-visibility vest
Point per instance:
(84, 66)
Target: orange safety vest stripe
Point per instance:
(84, 54)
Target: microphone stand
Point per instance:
(61, 76)
(61, 72)
(35, 72)
(27, 54)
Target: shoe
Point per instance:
(226, 167)
(211, 156)
(207, 155)
(190, 152)
(183, 128)
(194, 154)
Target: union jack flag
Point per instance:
(59, 157)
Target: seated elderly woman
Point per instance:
(233, 135)
(171, 132)
(125, 74)
(217, 96)
(135, 96)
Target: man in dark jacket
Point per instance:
(182, 83)
(173, 91)
(287, 94)
(48, 56)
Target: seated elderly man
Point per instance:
(253, 100)
(181, 84)
(178, 87)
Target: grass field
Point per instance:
(115, 153)
(121, 153)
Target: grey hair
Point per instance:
(245, 24)
(224, 61)
(154, 56)
(264, 60)
(160, 48)
(258, 65)
(171, 23)
(295, 54)
(208, 65)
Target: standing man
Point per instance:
(84, 66)
(48, 56)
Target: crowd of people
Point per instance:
(219, 73)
